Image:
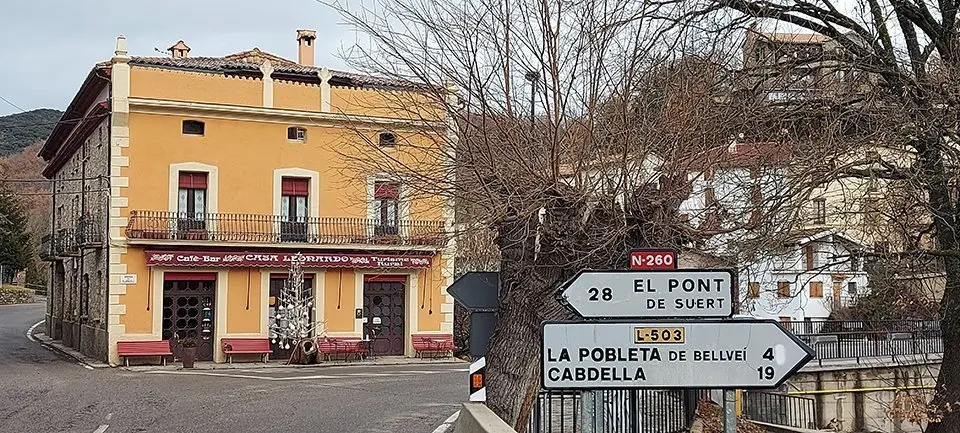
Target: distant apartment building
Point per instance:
(796, 67)
(184, 186)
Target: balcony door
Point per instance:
(192, 205)
(293, 209)
(386, 196)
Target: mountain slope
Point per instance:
(20, 130)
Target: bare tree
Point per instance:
(569, 130)
(911, 51)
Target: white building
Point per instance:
(792, 267)
(814, 273)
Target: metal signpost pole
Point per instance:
(588, 412)
(729, 411)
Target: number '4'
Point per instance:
(768, 354)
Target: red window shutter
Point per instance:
(189, 276)
(193, 180)
(295, 186)
(386, 190)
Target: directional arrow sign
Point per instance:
(651, 294)
(748, 353)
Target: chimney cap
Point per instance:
(306, 34)
(179, 46)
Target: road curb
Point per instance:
(45, 341)
(256, 365)
(448, 423)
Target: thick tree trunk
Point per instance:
(535, 260)
(513, 355)
(944, 215)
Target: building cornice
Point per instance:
(276, 115)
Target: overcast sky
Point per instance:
(50, 45)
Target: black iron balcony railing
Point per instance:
(46, 248)
(89, 232)
(222, 227)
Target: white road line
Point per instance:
(200, 373)
(101, 429)
(86, 366)
(30, 331)
(448, 424)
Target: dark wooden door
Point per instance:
(188, 312)
(276, 288)
(384, 309)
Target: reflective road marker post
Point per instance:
(478, 380)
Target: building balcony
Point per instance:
(159, 227)
(60, 245)
(89, 233)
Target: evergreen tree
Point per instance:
(15, 250)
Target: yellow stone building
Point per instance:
(183, 186)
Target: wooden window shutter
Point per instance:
(386, 190)
(808, 252)
(296, 186)
(193, 180)
(783, 289)
(816, 289)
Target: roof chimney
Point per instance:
(179, 50)
(305, 39)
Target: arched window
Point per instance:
(388, 139)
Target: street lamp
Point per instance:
(532, 77)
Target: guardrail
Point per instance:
(625, 411)
(858, 339)
(780, 409)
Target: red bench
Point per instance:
(126, 349)
(245, 346)
(437, 344)
(330, 347)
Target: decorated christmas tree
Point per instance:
(294, 327)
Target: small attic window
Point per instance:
(296, 133)
(193, 127)
(388, 139)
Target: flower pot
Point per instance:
(189, 355)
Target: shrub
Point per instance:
(15, 295)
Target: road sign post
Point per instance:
(732, 354)
(650, 294)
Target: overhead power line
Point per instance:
(12, 104)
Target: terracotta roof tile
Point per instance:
(795, 38)
(251, 60)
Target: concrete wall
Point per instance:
(867, 398)
(477, 418)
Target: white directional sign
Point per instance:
(748, 353)
(657, 294)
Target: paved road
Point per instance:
(41, 392)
